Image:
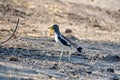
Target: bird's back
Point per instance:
(64, 40)
(72, 44)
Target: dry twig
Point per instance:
(11, 34)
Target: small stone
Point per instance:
(89, 72)
(55, 66)
(13, 59)
(50, 76)
(74, 74)
(68, 31)
(110, 70)
(114, 78)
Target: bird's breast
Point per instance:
(56, 37)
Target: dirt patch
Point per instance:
(33, 55)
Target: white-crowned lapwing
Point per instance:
(62, 40)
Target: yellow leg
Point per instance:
(61, 54)
(69, 56)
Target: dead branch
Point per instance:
(11, 34)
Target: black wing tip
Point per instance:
(79, 49)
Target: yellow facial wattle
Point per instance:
(51, 31)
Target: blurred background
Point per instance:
(32, 53)
(97, 20)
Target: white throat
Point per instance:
(56, 37)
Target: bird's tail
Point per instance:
(79, 49)
(74, 45)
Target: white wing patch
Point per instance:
(65, 40)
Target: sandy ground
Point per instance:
(33, 55)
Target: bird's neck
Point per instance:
(57, 33)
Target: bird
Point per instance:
(63, 41)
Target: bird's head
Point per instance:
(54, 28)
